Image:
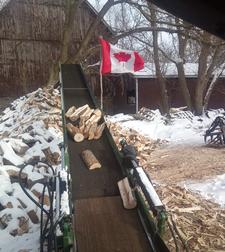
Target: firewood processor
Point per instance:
(113, 205)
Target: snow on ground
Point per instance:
(212, 189)
(175, 132)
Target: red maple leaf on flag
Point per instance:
(122, 56)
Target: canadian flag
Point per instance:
(115, 60)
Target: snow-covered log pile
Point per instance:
(197, 224)
(30, 137)
(144, 146)
(150, 115)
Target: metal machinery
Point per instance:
(100, 223)
(215, 135)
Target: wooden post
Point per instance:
(136, 82)
(101, 86)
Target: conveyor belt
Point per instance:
(101, 222)
(85, 183)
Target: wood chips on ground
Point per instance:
(197, 224)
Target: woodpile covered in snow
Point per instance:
(150, 115)
(30, 137)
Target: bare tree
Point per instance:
(161, 80)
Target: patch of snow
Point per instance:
(212, 189)
(178, 131)
(5, 185)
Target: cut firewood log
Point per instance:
(70, 111)
(82, 125)
(99, 130)
(91, 131)
(72, 130)
(90, 160)
(78, 112)
(98, 112)
(78, 137)
(86, 115)
(129, 202)
(86, 130)
(93, 119)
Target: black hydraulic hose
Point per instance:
(45, 232)
(28, 195)
(41, 224)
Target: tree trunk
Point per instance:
(183, 85)
(202, 76)
(161, 80)
(212, 85)
(70, 12)
(180, 67)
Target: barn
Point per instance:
(141, 89)
(30, 40)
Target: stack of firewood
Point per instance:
(144, 145)
(84, 123)
(196, 224)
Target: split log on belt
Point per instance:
(78, 112)
(92, 130)
(70, 111)
(93, 119)
(129, 202)
(86, 130)
(98, 112)
(78, 137)
(90, 160)
(99, 130)
(75, 132)
(82, 125)
(86, 115)
(72, 130)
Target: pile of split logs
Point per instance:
(84, 123)
(196, 224)
(143, 145)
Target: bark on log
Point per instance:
(99, 130)
(93, 119)
(86, 115)
(78, 112)
(90, 160)
(92, 131)
(72, 130)
(98, 112)
(70, 111)
(86, 130)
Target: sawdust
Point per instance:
(175, 164)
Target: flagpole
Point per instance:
(100, 73)
(101, 87)
(136, 80)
